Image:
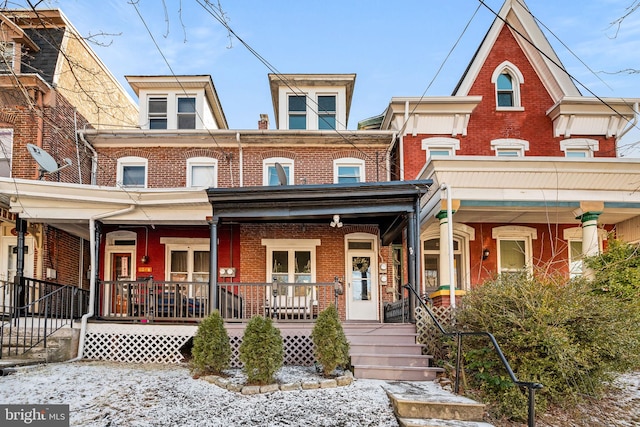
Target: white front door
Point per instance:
(362, 281)
(9, 256)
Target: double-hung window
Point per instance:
(6, 148)
(157, 108)
(132, 172)
(326, 112)
(270, 171)
(186, 113)
(298, 112)
(505, 94)
(202, 172)
(348, 170)
(507, 79)
(7, 52)
(515, 248)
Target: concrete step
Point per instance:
(378, 328)
(367, 338)
(396, 373)
(381, 348)
(429, 401)
(411, 360)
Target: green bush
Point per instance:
(261, 351)
(556, 332)
(617, 271)
(211, 352)
(330, 343)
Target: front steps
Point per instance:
(388, 352)
(428, 405)
(62, 345)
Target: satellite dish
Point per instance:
(46, 163)
(282, 175)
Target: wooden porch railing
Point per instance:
(151, 301)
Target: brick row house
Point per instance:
(514, 171)
(51, 85)
(529, 165)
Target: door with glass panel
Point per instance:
(291, 294)
(9, 269)
(362, 284)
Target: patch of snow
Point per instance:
(111, 394)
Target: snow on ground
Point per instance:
(111, 394)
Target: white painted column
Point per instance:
(590, 244)
(444, 273)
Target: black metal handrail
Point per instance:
(34, 321)
(531, 386)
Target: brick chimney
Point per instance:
(263, 123)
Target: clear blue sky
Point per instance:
(395, 48)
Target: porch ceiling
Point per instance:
(385, 204)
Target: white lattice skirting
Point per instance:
(136, 343)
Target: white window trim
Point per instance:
(461, 232)
(316, 109)
(516, 232)
(131, 161)
(271, 161)
(574, 234)
(202, 161)
(348, 161)
(441, 143)
(516, 79)
(589, 146)
(510, 144)
(6, 147)
(290, 245)
(306, 111)
(9, 56)
(197, 113)
(183, 244)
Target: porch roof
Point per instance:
(536, 189)
(385, 204)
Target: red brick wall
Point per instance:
(64, 253)
(167, 166)
(487, 124)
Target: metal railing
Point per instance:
(151, 301)
(35, 310)
(530, 386)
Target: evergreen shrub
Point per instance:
(211, 352)
(329, 341)
(261, 351)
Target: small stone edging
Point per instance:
(341, 381)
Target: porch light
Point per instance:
(485, 254)
(336, 221)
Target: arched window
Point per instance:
(507, 79)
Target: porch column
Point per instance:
(20, 291)
(590, 244)
(213, 264)
(444, 269)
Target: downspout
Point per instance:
(240, 161)
(94, 158)
(388, 155)
(75, 128)
(452, 285)
(92, 281)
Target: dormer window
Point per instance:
(186, 113)
(507, 80)
(7, 51)
(157, 113)
(326, 112)
(297, 112)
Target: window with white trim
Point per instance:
(270, 174)
(6, 148)
(348, 170)
(575, 253)
(326, 112)
(187, 260)
(510, 147)
(7, 54)
(186, 112)
(440, 146)
(157, 112)
(515, 248)
(297, 109)
(579, 147)
(202, 172)
(132, 172)
(431, 259)
(507, 79)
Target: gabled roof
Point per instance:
(535, 46)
